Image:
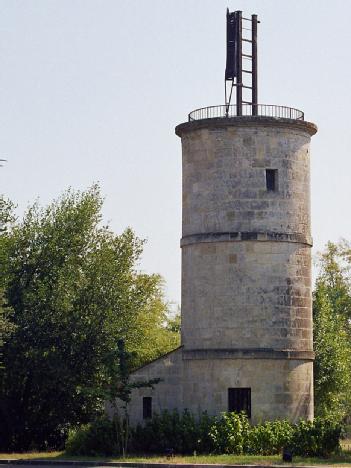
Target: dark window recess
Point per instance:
(147, 407)
(272, 179)
(239, 399)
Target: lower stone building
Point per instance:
(268, 388)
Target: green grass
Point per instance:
(343, 459)
(30, 455)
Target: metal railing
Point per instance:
(261, 110)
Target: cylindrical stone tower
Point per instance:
(246, 266)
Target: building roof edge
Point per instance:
(246, 121)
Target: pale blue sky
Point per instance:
(91, 90)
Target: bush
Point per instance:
(184, 433)
(269, 438)
(204, 441)
(158, 434)
(229, 433)
(319, 438)
(97, 438)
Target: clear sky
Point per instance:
(91, 90)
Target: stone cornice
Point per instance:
(248, 121)
(247, 353)
(245, 236)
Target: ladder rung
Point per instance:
(246, 40)
(248, 87)
(247, 102)
(246, 71)
(249, 19)
(245, 55)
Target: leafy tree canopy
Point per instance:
(6, 217)
(334, 275)
(74, 290)
(332, 344)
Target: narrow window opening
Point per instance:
(239, 399)
(147, 407)
(272, 180)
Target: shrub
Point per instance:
(97, 438)
(319, 438)
(269, 438)
(158, 434)
(205, 441)
(184, 433)
(229, 433)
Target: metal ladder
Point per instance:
(235, 47)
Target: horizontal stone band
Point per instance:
(245, 236)
(221, 123)
(249, 353)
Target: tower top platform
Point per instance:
(246, 110)
(266, 115)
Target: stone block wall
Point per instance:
(280, 388)
(246, 272)
(167, 394)
(246, 294)
(224, 184)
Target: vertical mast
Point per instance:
(254, 63)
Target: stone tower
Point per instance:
(246, 259)
(246, 264)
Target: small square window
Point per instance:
(147, 407)
(272, 180)
(239, 399)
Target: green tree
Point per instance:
(6, 217)
(335, 264)
(332, 345)
(74, 290)
(157, 331)
(332, 370)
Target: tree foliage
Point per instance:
(74, 290)
(334, 275)
(332, 365)
(331, 314)
(6, 327)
